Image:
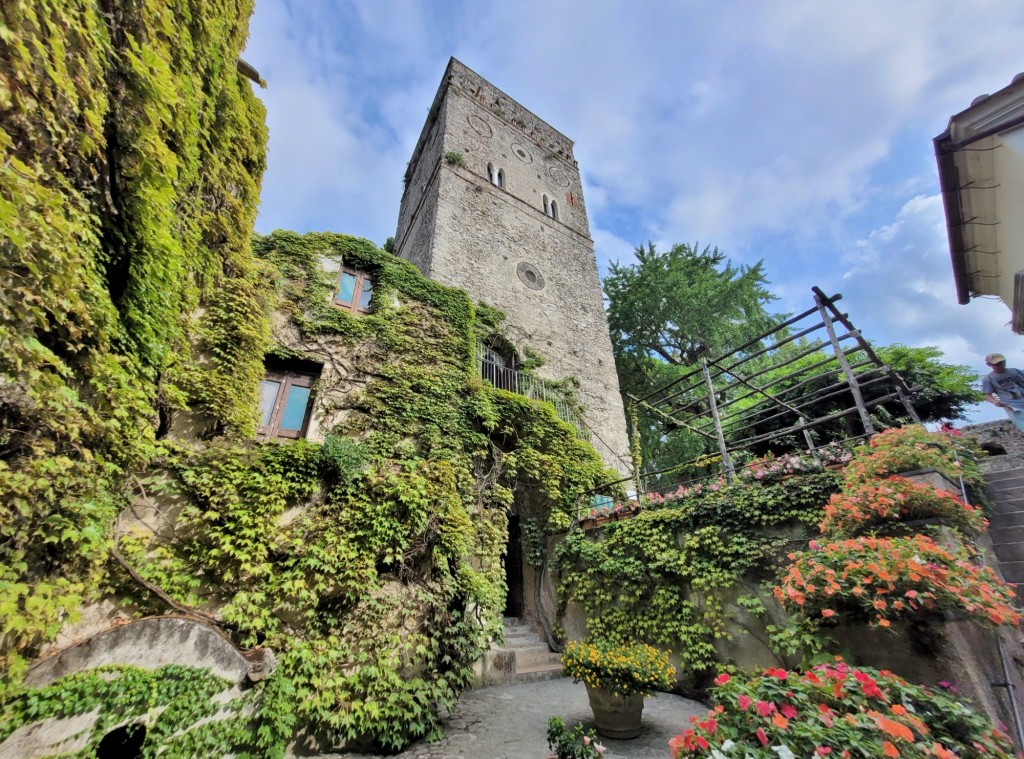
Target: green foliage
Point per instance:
(940, 390)
(654, 578)
(169, 701)
(664, 310)
(837, 710)
(371, 562)
(455, 158)
(133, 157)
(572, 744)
(134, 292)
(619, 669)
(678, 304)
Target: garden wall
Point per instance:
(729, 614)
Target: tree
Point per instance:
(676, 305)
(664, 310)
(940, 390)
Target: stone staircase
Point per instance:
(1006, 529)
(524, 657)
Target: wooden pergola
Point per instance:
(724, 398)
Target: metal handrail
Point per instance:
(515, 381)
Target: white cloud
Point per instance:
(899, 288)
(718, 122)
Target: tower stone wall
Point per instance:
(502, 247)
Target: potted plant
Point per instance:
(617, 679)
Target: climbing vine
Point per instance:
(133, 153)
(657, 578)
(132, 343)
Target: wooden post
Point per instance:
(908, 405)
(851, 378)
(730, 472)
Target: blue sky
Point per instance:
(794, 132)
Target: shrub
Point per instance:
(906, 449)
(893, 578)
(455, 158)
(838, 711)
(572, 744)
(623, 670)
(896, 499)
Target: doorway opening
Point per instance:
(514, 569)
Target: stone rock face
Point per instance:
(504, 245)
(148, 644)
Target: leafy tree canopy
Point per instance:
(676, 304)
(666, 309)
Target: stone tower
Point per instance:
(493, 204)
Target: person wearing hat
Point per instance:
(1005, 388)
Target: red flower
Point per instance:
(722, 679)
(762, 737)
(764, 708)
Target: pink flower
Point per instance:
(744, 701)
(722, 679)
(586, 740)
(788, 711)
(764, 708)
(762, 737)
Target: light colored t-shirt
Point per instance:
(1008, 386)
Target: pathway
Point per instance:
(510, 722)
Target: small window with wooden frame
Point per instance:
(286, 401)
(354, 291)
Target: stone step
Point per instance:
(528, 660)
(1005, 474)
(538, 674)
(1013, 571)
(1002, 521)
(1008, 505)
(1008, 553)
(520, 632)
(1005, 494)
(1006, 535)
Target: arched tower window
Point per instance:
(501, 178)
(547, 206)
(554, 210)
(498, 367)
(492, 176)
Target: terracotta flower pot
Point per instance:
(616, 717)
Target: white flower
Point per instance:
(783, 752)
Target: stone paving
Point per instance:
(510, 722)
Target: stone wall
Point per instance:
(498, 244)
(1003, 442)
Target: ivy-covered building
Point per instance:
(255, 490)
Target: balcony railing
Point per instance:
(506, 378)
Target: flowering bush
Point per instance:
(896, 499)
(613, 510)
(891, 578)
(768, 468)
(572, 744)
(906, 449)
(623, 670)
(835, 710)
